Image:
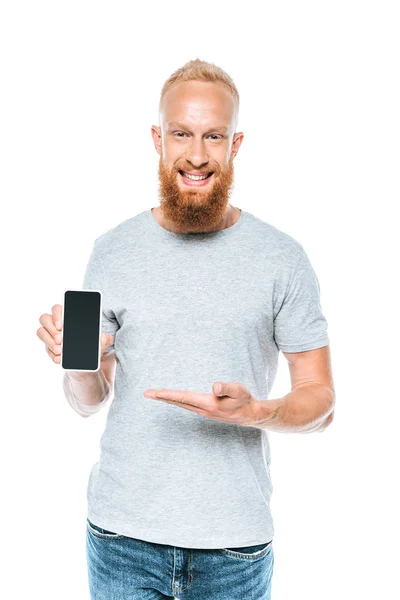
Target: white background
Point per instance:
(319, 89)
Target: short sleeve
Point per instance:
(94, 279)
(299, 324)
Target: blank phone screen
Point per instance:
(81, 330)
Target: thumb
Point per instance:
(106, 340)
(219, 389)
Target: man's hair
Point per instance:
(200, 70)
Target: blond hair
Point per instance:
(200, 70)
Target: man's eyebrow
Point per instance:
(221, 128)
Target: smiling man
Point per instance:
(199, 297)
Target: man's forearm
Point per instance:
(304, 410)
(86, 391)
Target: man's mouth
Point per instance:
(196, 180)
(195, 177)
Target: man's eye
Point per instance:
(215, 136)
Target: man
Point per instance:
(199, 296)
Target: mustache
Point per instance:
(205, 172)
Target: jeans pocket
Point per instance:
(249, 552)
(102, 533)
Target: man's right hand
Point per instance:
(51, 334)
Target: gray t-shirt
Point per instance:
(187, 310)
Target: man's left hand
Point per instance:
(232, 403)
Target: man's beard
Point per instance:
(195, 210)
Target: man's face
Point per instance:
(196, 137)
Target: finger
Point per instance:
(56, 311)
(106, 340)
(199, 411)
(233, 389)
(182, 396)
(54, 357)
(47, 322)
(203, 401)
(48, 333)
(187, 406)
(48, 340)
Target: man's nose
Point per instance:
(197, 154)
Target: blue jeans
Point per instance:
(124, 568)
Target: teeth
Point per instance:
(195, 177)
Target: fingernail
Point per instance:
(219, 388)
(58, 324)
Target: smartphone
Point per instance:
(81, 344)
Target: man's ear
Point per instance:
(237, 141)
(156, 135)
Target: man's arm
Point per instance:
(87, 392)
(310, 405)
